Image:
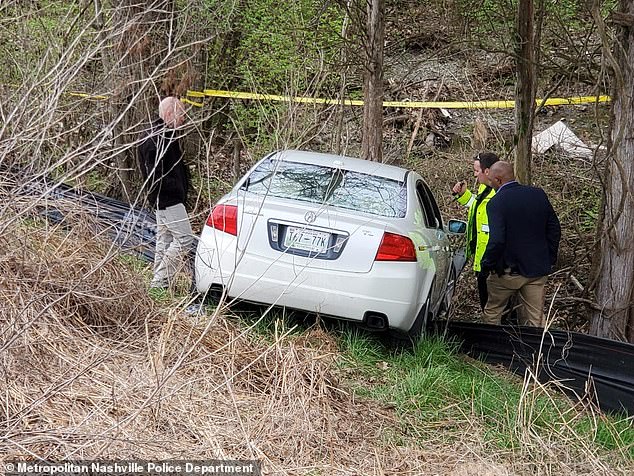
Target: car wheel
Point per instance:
(418, 329)
(214, 295)
(448, 295)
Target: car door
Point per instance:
(439, 248)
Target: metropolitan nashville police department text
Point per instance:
(134, 467)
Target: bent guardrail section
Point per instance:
(583, 366)
(132, 228)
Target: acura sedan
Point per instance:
(333, 235)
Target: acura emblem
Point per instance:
(310, 217)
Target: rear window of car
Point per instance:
(339, 188)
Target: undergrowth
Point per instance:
(434, 390)
(432, 386)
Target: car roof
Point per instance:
(342, 162)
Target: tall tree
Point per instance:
(372, 138)
(525, 88)
(142, 36)
(614, 265)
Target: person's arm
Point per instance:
(146, 155)
(553, 233)
(466, 198)
(493, 257)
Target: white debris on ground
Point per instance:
(559, 134)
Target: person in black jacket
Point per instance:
(522, 248)
(167, 182)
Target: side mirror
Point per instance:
(457, 227)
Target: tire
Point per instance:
(214, 295)
(418, 329)
(450, 290)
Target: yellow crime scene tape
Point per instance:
(498, 104)
(96, 97)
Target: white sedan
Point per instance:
(333, 235)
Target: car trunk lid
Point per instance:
(305, 234)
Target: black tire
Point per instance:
(214, 295)
(445, 305)
(418, 329)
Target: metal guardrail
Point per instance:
(132, 228)
(587, 368)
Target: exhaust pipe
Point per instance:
(376, 321)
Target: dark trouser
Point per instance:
(483, 294)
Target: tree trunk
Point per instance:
(237, 151)
(524, 90)
(223, 73)
(615, 264)
(343, 60)
(142, 40)
(372, 138)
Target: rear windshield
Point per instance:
(339, 188)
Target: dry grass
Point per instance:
(92, 368)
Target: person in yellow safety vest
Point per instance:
(477, 218)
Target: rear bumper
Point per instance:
(393, 289)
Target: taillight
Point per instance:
(224, 218)
(396, 248)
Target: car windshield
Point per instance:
(339, 188)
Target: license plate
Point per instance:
(306, 240)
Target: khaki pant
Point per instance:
(174, 239)
(531, 298)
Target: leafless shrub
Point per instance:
(92, 368)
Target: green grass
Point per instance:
(178, 294)
(135, 263)
(431, 385)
